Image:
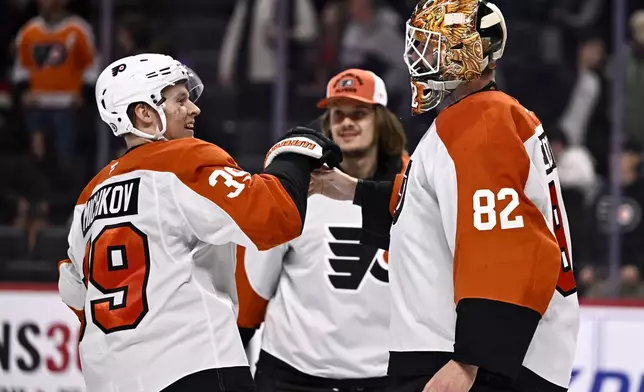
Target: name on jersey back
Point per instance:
(111, 201)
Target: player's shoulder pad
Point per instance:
(196, 152)
(488, 119)
(79, 24)
(29, 28)
(186, 158)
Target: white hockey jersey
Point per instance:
(152, 261)
(480, 217)
(327, 296)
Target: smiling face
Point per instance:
(353, 126)
(180, 112)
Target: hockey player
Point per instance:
(327, 320)
(483, 296)
(152, 244)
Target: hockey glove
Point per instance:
(307, 142)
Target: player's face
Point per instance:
(180, 113)
(352, 126)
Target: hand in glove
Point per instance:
(307, 142)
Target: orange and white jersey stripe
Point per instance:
(152, 261)
(481, 217)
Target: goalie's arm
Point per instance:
(379, 201)
(506, 259)
(374, 199)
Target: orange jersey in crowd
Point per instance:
(55, 59)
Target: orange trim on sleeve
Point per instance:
(395, 194)
(485, 136)
(64, 261)
(252, 307)
(79, 313)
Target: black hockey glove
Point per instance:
(307, 142)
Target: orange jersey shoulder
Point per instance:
(182, 157)
(485, 118)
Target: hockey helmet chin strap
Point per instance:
(158, 133)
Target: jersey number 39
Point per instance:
(117, 263)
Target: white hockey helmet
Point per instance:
(141, 78)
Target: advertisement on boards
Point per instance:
(39, 346)
(610, 350)
(38, 343)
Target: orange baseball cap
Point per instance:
(358, 84)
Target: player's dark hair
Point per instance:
(387, 127)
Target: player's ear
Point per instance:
(144, 113)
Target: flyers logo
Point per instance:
(49, 54)
(118, 69)
(351, 260)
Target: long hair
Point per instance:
(388, 130)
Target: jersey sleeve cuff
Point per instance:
(246, 334)
(294, 173)
(494, 335)
(374, 197)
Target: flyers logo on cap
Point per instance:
(346, 83)
(356, 84)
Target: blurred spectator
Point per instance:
(628, 215)
(332, 24)
(248, 57)
(586, 91)
(248, 52)
(55, 57)
(631, 286)
(578, 183)
(574, 18)
(374, 40)
(574, 164)
(634, 83)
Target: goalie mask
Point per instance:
(449, 42)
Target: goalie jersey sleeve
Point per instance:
(480, 261)
(506, 260)
(379, 201)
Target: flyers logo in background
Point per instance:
(351, 260)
